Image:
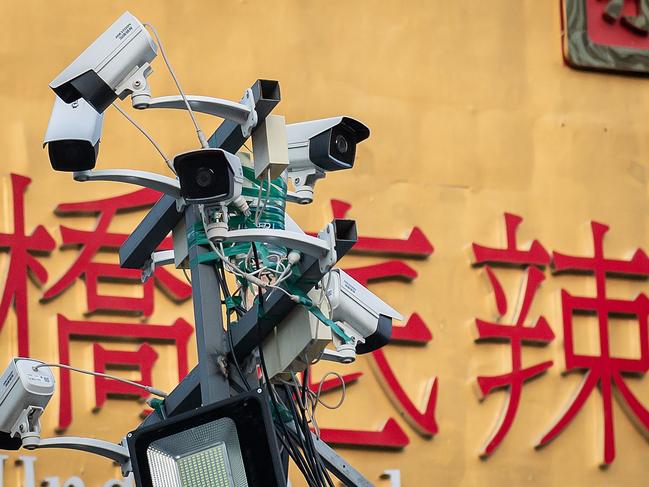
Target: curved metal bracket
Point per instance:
(106, 449)
(230, 110)
(145, 179)
(301, 242)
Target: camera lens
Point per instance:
(341, 144)
(204, 177)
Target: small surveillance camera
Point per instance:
(363, 314)
(73, 135)
(99, 73)
(319, 146)
(208, 175)
(24, 394)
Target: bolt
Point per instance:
(137, 83)
(259, 391)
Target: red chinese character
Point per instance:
(603, 370)
(143, 358)
(101, 238)
(22, 248)
(178, 334)
(516, 334)
(415, 332)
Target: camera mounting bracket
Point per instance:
(158, 182)
(242, 113)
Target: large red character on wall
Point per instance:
(518, 333)
(22, 250)
(604, 371)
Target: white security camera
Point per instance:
(362, 315)
(101, 73)
(319, 146)
(209, 175)
(24, 393)
(73, 135)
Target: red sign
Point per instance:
(608, 35)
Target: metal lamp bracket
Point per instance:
(116, 452)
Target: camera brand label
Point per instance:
(124, 32)
(38, 379)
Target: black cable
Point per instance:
(305, 382)
(304, 436)
(223, 285)
(308, 466)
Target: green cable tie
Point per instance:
(158, 406)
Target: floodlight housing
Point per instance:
(230, 443)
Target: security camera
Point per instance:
(209, 175)
(73, 135)
(319, 146)
(100, 74)
(362, 315)
(24, 394)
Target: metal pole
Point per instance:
(210, 335)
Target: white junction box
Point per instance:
(270, 147)
(297, 341)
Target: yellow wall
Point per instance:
(472, 114)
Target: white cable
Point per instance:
(322, 381)
(266, 199)
(149, 389)
(145, 133)
(199, 132)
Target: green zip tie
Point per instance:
(158, 406)
(315, 311)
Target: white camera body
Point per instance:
(319, 146)
(73, 135)
(23, 391)
(209, 175)
(98, 75)
(362, 314)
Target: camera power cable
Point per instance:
(149, 389)
(199, 132)
(146, 134)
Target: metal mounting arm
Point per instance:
(164, 184)
(106, 449)
(242, 113)
(230, 110)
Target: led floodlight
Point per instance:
(208, 175)
(229, 444)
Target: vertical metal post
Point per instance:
(210, 335)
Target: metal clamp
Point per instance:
(251, 122)
(158, 259)
(328, 260)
